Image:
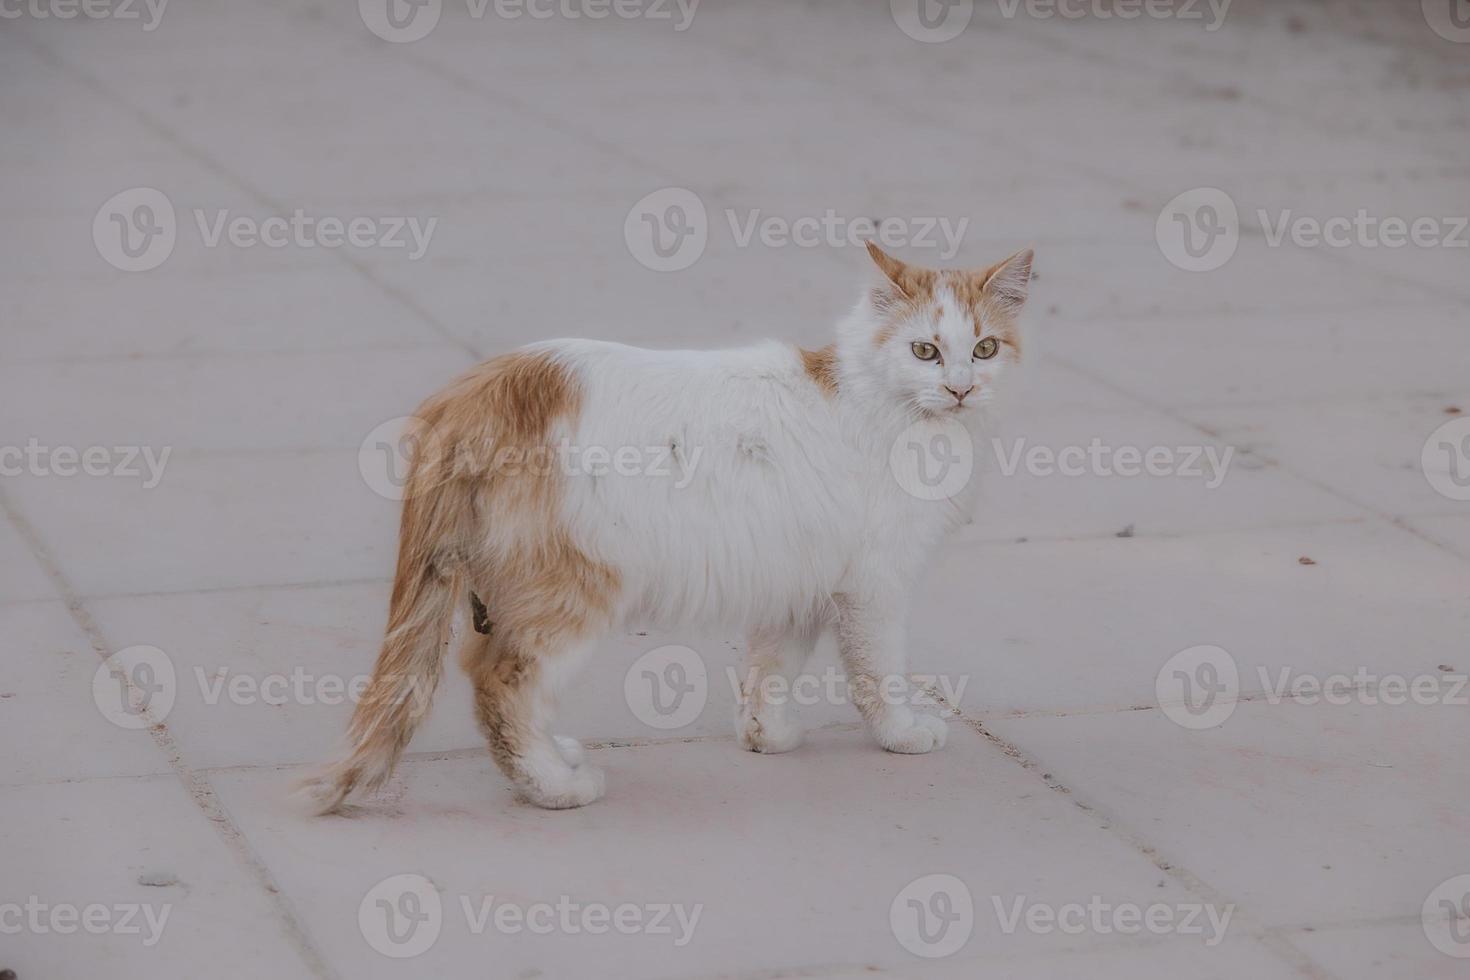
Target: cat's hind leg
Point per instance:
(515, 698)
(775, 659)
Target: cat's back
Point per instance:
(738, 488)
(612, 366)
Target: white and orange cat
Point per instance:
(789, 522)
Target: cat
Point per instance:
(793, 519)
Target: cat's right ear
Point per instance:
(904, 278)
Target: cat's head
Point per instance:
(940, 340)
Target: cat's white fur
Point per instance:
(777, 508)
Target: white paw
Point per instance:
(577, 787)
(769, 734)
(570, 749)
(912, 735)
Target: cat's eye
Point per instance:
(986, 349)
(924, 350)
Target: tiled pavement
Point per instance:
(1323, 828)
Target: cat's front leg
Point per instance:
(776, 657)
(870, 637)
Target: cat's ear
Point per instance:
(1008, 282)
(908, 280)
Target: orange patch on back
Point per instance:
(488, 441)
(821, 367)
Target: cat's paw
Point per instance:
(570, 749)
(769, 735)
(573, 788)
(914, 735)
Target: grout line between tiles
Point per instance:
(908, 110)
(977, 541)
(218, 169)
(195, 783)
(77, 605)
(1277, 944)
(1327, 488)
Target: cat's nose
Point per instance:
(959, 396)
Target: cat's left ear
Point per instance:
(1008, 282)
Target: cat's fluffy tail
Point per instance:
(427, 584)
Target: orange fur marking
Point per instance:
(821, 366)
(992, 302)
(481, 514)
